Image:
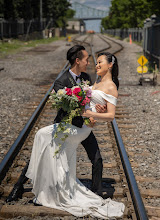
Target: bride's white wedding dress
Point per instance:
(54, 178)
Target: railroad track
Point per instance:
(148, 186)
(115, 184)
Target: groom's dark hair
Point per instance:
(75, 52)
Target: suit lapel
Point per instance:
(71, 80)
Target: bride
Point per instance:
(54, 178)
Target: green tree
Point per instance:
(55, 8)
(28, 9)
(129, 13)
(154, 7)
(1, 8)
(10, 9)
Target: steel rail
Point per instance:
(17, 145)
(21, 179)
(134, 191)
(136, 198)
(13, 151)
(133, 188)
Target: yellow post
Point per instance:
(69, 39)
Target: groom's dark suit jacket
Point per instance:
(66, 80)
(90, 143)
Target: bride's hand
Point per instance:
(101, 108)
(87, 113)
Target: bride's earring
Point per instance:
(109, 69)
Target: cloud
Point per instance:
(82, 1)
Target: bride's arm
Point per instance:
(108, 116)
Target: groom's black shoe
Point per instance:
(15, 193)
(36, 203)
(18, 188)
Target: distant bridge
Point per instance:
(85, 12)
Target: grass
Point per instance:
(135, 42)
(127, 39)
(14, 45)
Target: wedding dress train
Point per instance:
(54, 177)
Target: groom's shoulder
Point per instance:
(63, 76)
(85, 74)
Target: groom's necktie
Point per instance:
(78, 77)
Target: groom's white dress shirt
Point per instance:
(74, 76)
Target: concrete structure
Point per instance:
(76, 25)
(87, 13)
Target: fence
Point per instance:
(136, 33)
(149, 35)
(151, 39)
(13, 29)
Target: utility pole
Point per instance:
(41, 14)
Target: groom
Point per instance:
(78, 58)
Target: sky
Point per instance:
(98, 4)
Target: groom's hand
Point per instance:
(92, 122)
(101, 108)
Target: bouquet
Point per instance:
(73, 101)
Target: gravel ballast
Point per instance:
(25, 71)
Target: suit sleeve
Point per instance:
(58, 85)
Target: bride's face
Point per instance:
(102, 65)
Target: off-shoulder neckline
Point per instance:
(103, 92)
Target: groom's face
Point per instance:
(83, 63)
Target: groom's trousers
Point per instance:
(91, 146)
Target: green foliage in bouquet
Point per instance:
(73, 101)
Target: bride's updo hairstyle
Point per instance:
(114, 71)
(75, 52)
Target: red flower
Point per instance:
(69, 91)
(76, 91)
(79, 98)
(85, 101)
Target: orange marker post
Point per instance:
(130, 39)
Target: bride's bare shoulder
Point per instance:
(111, 89)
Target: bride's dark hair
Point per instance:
(115, 70)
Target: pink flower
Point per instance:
(69, 91)
(85, 101)
(89, 92)
(79, 98)
(53, 91)
(76, 91)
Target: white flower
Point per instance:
(61, 92)
(74, 87)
